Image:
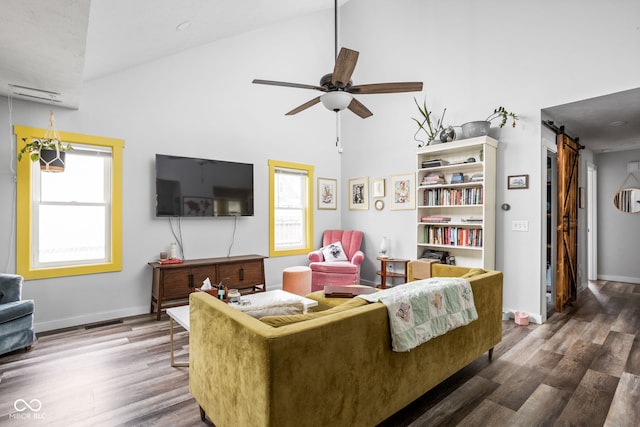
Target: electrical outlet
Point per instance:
(521, 225)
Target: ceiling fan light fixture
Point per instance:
(336, 100)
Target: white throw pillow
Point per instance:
(334, 252)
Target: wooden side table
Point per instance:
(384, 273)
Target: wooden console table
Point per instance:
(384, 273)
(172, 283)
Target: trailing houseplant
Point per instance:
(35, 147)
(48, 150)
(430, 127)
(480, 128)
(502, 113)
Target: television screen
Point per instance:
(191, 187)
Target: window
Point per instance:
(291, 207)
(70, 223)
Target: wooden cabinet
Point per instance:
(456, 195)
(172, 283)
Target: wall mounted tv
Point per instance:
(190, 187)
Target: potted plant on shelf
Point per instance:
(480, 128)
(426, 124)
(48, 150)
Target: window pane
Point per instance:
(289, 229)
(71, 233)
(82, 181)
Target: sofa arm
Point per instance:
(357, 258)
(315, 256)
(10, 288)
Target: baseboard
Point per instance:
(635, 280)
(69, 322)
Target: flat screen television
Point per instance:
(191, 187)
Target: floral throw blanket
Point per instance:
(425, 309)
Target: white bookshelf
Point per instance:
(469, 206)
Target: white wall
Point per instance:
(472, 57)
(618, 244)
(200, 103)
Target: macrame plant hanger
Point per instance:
(51, 134)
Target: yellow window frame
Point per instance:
(24, 207)
(308, 169)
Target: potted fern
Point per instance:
(480, 128)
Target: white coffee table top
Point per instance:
(181, 314)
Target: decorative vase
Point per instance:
(474, 129)
(448, 134)
(383, 252)
(52, 160)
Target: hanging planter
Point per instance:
(52, 160)
(48, 150)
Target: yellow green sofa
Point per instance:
(333, 370)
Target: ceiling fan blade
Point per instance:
(359, 108)
(387, 88)
(287, 84)
(345, 64)
(304, 106)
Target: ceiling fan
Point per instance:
(337, 86)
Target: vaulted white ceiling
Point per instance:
(54, 46)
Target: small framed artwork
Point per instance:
(377, 187)
(402, 189)
(197, 206)
(359, 193)
(517, 182)
(327, 193)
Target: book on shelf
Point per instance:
(457, 178)
(433, 163)
(435, 219)
(473, 219)
(476, 177)
(433, 178)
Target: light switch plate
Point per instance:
(520, 225)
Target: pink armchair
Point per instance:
(337, 272)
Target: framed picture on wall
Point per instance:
(377, 187)
(359, 193)
(402, 189)
(517, 182)
(327, 193)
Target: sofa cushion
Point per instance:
(279, 308)
(334, 252)
(277, 321)
(339, 267)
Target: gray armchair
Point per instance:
(16, 315)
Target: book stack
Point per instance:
(457, 178)
(433, 163)
(435, 219)
(433, 178)
(477, 177)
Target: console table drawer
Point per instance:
(242, 275)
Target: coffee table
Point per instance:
(181, 314)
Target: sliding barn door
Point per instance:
(567, 277)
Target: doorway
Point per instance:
(551, 224)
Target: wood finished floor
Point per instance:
(580, 368)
